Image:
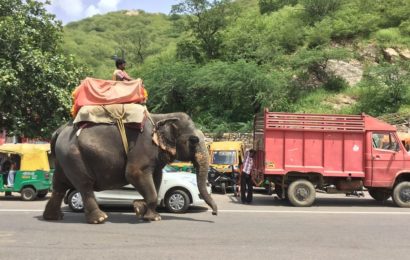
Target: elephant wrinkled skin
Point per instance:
(96, 160)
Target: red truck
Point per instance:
(302, 153)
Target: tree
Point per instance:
(384, 89)
(206, 20)
(36, 79)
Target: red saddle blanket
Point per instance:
(106, 92)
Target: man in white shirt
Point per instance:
(246, 178)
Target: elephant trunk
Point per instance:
(201, 163)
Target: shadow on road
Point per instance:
(122, 215)
(328, 201)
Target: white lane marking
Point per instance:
(252, 211)
(21, 210)
(314, 212)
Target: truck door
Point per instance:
(387, 158)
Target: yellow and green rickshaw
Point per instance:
(33, 169)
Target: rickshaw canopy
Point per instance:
(33, 156)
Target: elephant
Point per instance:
(96, 160)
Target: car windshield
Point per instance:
(224, 157)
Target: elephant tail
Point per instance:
(55, 136)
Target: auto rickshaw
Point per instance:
(33, 175)
(225, 160)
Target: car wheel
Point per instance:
(42, 194)
(401, 194)
(301, 193)
(75, 201)
(28, 194)
(379, 195)
(177, 201)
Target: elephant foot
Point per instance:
(152, 216)
(51, 212)
(47, 215)
(140, 208)
(97, 216)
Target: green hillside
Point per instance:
(133, 34)
(223, 61)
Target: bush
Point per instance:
(316, 10)
(319, 36)
(335, 83)
(268, 6)
(383, 90)
(405, 28)
(391, 35)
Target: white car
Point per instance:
(177, 192)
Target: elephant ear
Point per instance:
(162, 122)
(167, 133)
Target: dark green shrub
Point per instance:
(335, 83)
(383, 90)
(316, 10)
(405, 28)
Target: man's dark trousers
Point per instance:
(246, 188)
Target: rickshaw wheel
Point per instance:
(223, 188)
(28, 194)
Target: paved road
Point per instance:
(336, 227)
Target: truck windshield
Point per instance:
(224, 157)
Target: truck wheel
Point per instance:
(401, 194)
(301, 193)
(380, 195)
(28, 194)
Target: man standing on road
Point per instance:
(246, 178)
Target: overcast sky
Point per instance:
(73, 10)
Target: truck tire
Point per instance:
(401, 194)
(301, 193)
(379, 195)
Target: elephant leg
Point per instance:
(61, 184)
(144, 184)
(53, 207)
(93, 213)
(140, 207)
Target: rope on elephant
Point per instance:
(119, 119)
